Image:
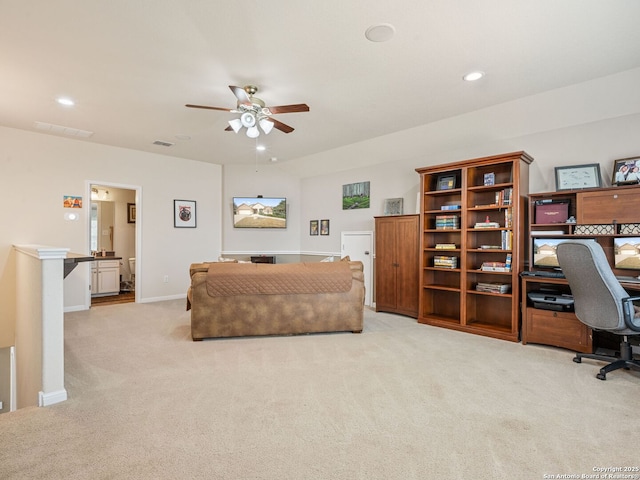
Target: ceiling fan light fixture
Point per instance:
(248, 120)
(236, 124)
(266, 125)
(253, 132)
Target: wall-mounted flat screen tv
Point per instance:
(259, 212)
(626, 251)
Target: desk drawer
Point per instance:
(558, 329)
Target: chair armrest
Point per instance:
(630, 313)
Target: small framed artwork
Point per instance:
(184, 214)
(446, 182)
(578, 176)
(324, 227)
(490, 178)
(313, 227)
(626, 171)
(393, 206)
(131, 213)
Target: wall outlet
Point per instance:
(166, 279)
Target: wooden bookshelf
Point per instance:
(490, 193)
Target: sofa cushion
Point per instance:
(226, 279)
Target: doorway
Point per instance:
(114, 231)
(359, 247)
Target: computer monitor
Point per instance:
(544, 251)
(626, 252)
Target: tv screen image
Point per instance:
(259, 212)
(626, 252)
(544, 252)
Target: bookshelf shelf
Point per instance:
(492, 191)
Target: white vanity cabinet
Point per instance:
(105, 277)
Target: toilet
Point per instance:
(132, 269)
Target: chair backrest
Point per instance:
(597, 294)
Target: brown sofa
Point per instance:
(243, 299)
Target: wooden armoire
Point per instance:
(397, 264)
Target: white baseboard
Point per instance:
(163, 299)
(46, 399)
(75, 308)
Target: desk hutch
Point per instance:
(611, 206)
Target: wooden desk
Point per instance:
(558, 329)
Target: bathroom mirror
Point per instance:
(102, 222)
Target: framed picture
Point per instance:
(446, 182)
(313, 227)
(393, 206)
(184, 213)
(626, 171)
(578, 176)
(324, 227)
(131, 213)
(356, 195)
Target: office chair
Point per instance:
(599, 300)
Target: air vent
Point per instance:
(163, 144)
(59, 129)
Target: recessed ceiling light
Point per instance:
(382, 32)
(67, 102)
(473, 76)
(261, 148)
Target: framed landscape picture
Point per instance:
(313, 227)
(355, 195)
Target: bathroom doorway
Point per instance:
(114, 232)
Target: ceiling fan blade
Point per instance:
(228, 129)
(210, 108)
(299, 107)
(281, 126)
(241, 95)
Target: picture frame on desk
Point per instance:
(576, 177)
(626, 171)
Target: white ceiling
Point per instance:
(132, 65)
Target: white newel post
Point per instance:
(40, 325)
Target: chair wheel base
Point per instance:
(577, 359)
(601, 376)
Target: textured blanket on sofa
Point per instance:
(226, 279)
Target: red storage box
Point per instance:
(552, 212)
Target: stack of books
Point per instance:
(447, 222)
(450, 207)
(495, 267)
(444, 261)
(493, 287)
(486, 224)
(445, 246)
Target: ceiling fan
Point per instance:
(253, 112)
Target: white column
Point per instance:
(40, 325)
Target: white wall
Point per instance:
(268, 180)
(37, 170)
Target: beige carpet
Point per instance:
(399, 401)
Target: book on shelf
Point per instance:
(490, 247)
(486, 225)
(495, 267)
(450, 207)
(444, 222)
(503, 197)
(445, 246)
(506, 239)
(493, 287)
(489, 178)
(445, 261)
